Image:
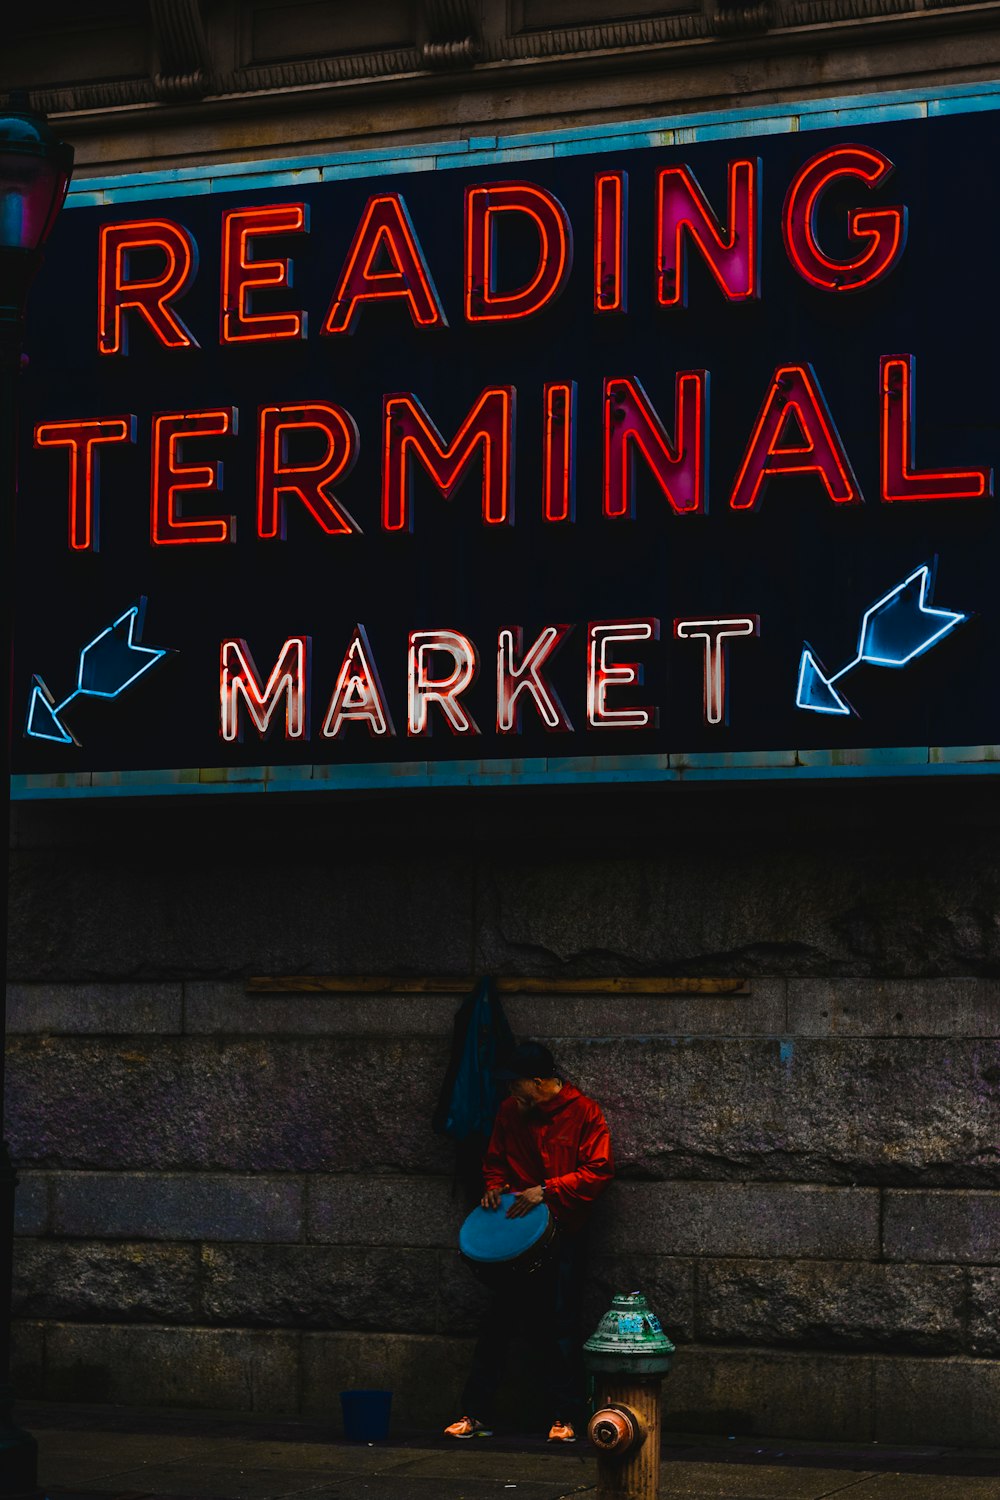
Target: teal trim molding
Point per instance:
(763, 765)
(488, 150)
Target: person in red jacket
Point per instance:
(550, 1144)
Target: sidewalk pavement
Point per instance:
(117, 1453)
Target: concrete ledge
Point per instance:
(353, 1210)
(321, 1286)
(894, 1007)
(27, 1358)
(107, 1281)
(159, 1103)
(79, 1009)
(225, 1007)
(31, 1203)
(135, 1365)
(764, 1392)
(838, 1304)
(954, 1401)
(752, 1219)
(966, 1007)
(181, 1206)
(942, 1226)
(820, 1109)
(661, 1219)
(984, 1300)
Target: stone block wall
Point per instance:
(235, 1200)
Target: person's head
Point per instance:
(530, 1073)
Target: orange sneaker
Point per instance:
(467, 1427)
(561, 1432)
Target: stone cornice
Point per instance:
(180, 87)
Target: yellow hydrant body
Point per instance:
(628, 1354)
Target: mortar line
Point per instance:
(851, 1485)
(967, 1311)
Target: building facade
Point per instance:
(776, 969)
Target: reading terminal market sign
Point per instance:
(656, 461)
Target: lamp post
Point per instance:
(35, 170)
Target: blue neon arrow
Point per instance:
(902, 625)
(43, 716)
(108, 664)
(816, 690)
(898, 627)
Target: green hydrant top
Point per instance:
(628, 1340)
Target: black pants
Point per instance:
(545, 1307)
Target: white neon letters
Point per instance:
(603, 673)
(513, 681)
(240, 682)
(715, 634)
(357, 695)
(423, 689)
(442, 668)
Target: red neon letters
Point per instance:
(630, 424)
(277, 479)
(357, 695)
(881, 233)
(243, 274)
(900, 478)
(170, 478)
(385, 230)
(526, 677)
(716, 634)
(483, 302)
(794, 433)
(408, 432)
(119, 290)
(611, 242)
(732, 255)
(240, 681)
(794, 393)
(559, 452)
(423, 689)
(146, 265)
(82, 439)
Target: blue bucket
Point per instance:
(366, 1415)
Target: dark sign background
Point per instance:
(807, 567)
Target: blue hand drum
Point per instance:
(499, 1249)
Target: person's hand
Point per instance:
(524, 1202)
(490, 1199)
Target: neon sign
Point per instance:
(895, 629)
(716, 635)
(243, 274)
(107, 666)
(880, 233)
(297, 418)
(241, 688)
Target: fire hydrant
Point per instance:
(629, 1354)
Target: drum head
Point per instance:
(489, 1236)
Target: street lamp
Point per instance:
(35, 170)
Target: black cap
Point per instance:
(529, 1060)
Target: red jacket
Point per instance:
(563, 1143)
